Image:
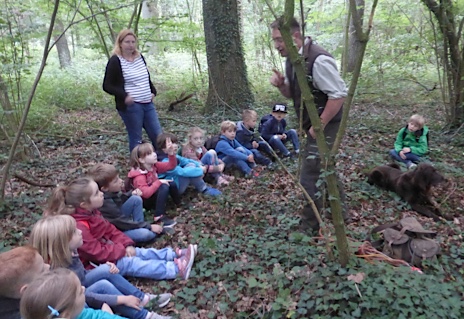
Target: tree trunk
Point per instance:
(62, 47)
(9, 125)
(354, 44)
(447, 15)
(228, 82)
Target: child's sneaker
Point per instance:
(153, 315)
(411, 165)
(185, 263)
(252, 174)
(182, 252)
(222, 181)
(167, 222)
(161, 299)
(211, 191)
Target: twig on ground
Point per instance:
(30, 182)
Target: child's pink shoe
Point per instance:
(182, 252)
(222, 181)
(185, 263)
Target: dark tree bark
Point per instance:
(228, 82)
(354, 44)
(451, 28)
(62, 47)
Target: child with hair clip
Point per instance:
(195, 150)
(144, 176)
(58, 294)
(187, 172)
(103, 242)
(57, 239)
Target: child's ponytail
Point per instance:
(65, 199)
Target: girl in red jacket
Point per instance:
(144, 176)
(103, 242)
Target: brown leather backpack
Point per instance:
(406, 240)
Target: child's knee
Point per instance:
(212, 152)
(275, 137)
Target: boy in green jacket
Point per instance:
(411, 142)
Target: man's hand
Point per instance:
(284, 136)
(137, 192)
(277, 78)
(406, 150)
(402, 155)
(312, 133)
(156, 228)
(113, 268)
(254, 144)
(130, 251)
(251, 158)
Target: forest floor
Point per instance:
(250, 251)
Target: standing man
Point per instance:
(329, 91)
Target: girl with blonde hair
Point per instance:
(57, 239)
(58, 294)
(103, 242)
(212, 166)
(127, 78)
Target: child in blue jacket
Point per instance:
(232, 153)
(273, 131)
(187, 172)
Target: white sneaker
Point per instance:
(161, 300)
(153, 315)
(412, 166)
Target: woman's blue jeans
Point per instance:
(149, 263)
(133, 209)
(138, 116)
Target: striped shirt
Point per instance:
(136, 79)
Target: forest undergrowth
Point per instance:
(252, 261)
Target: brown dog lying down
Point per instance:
(413, 186)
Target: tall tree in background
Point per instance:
(448, 13)
(354, 43)
(228, 82)
(64, 55)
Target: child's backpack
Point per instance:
(406, 240)
(263, 120)
(211, 142)
(417, 133)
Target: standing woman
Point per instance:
(128, 79)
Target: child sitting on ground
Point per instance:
(246, 136)
(411, 142)
(58, 294)
(187, 172)
(232, 153)
(143, 175)
(123, 210)
(18, 268)
(194, 149)
(57, 239)
(273, 131)
(102, 242)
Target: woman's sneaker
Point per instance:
(185, 263)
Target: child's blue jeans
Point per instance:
(279, 144)
(149, 263)
(410, 157)
(104, 287)
(243, 166)
(210, 158)
(133, 208)
(100, 281)
(196, 182)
